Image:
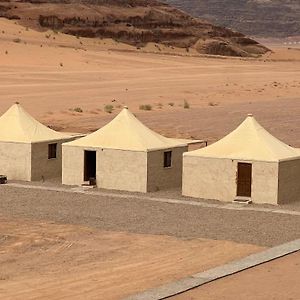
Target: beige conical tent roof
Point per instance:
(126, 132)
(16, 125)
(250, 141)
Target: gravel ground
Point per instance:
(174, 193)
(149, 217)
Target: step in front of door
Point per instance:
(244, 200)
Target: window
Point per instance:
(52, 151)
(167, 159)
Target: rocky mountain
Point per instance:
(135, 22)
(261, 18)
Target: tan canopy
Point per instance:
(16, 125)
(250, 141)
(126, 132)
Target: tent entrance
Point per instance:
(89, 165)
(244, 180)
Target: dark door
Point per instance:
(244, 179)
(89, 165)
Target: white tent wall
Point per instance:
(215, 179)
(289, 181)
(15, 160)
(158, 177)
(41, 166)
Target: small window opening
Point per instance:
(52, 148)
(167, 159)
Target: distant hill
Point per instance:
(261, 18)
(135, 22)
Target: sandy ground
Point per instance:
(52, 75)
(277, 280)
(41, 260)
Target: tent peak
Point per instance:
(250, 115)
(125, 107)
(24, 128)
(126, 132)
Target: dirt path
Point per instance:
(149, 217)
(42, 260)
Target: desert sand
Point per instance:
(42, 260)
(276, 280)
(51, 74)
(54, 76)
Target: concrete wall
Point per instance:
(41, 166)
(289, 181)
(211, 178)
(116, 169)
(158, 177)
(72, 165)
(122, 170)
(15, 160)
(265, 182)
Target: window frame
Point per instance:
(168, 161)
(52, 153)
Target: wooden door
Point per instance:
(244, 179)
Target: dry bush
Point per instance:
(186, 105)
(17, 40)
(78, 109)
(145, 107)
(108, 108)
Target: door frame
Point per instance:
(85, 164)
(249, 163)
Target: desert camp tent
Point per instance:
(247, 164)
(124, 155)
(28, 149)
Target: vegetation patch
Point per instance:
(145, 107)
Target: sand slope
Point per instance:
(65, 73)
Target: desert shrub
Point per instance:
(145, 107)
(186, 105)
(108, 108)
(78, 109)
(171, 103)
(17, 40)
(213, 104)
(61, 64)
(47, 36)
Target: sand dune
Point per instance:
(51, 74)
